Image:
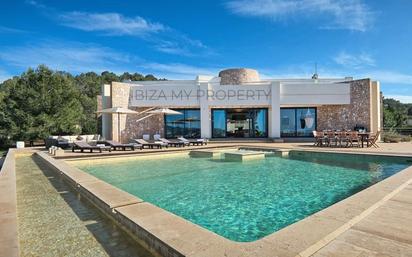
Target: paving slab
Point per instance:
(173, 231)
(307, 233)
(342, 249)
(73, 174)
(376, 243)
(109, 196)
(9, 244)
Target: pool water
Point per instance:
(245, 201)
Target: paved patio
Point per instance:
(384, 148)
(53, 221)
(385, 232)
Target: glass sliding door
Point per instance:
(260, 122)
(307, 122)
(186, 124)
(287, 122)
(297, 122)
(218, 123)
(239, 123)
(192, 124)
(174, 125)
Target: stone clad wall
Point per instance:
(152, 125)
(129, 128)
(347, 116)
(238, 76)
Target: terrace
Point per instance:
(109, 221)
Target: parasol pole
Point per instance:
(118, 127)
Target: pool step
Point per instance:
(244, 156)
(204, 154)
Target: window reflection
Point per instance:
(297, 122)
(219, 123)
(241, 123)
(306, 122)
(186, 124)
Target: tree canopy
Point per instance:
(42, 102)
(395, 113)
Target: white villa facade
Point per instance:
(238, 104)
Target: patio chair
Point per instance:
(354, 138)
(199, 141)
(148, 144)
(372, 139)
(342, 138)
(174, 143)
(117, 145)
(85, 146)
(319, 138)
(331, 138)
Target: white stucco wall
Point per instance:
(207, 93)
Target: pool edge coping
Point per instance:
(277, 241)
(9, 239)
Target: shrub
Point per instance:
(392, 136)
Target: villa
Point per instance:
(228, 197)
(239, 104)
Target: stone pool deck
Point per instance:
(52, 220)
(374, 222)
(384, 148)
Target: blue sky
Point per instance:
(180, 39)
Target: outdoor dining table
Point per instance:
(364, 137)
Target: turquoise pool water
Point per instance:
(245, 201)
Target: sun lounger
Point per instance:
(199, 141)
(158, 142)
(148, 144)
(117, 145)
(174, 143)
(85, 146)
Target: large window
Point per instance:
(219, 123)
(186, 124)
(297, 122)
(241, 123)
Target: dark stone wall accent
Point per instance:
(348, 116)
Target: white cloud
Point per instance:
(354, 61)
(177, 70)
(159, 36)
(110, 23)
(4, 29)
(36, 4)
(407, 99)
(387, 76)
(67, 56)
(334, 14)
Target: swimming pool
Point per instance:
(245, 201)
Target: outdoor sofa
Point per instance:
(67, 141)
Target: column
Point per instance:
(106, 118)
(274, 111)
(205, 115)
